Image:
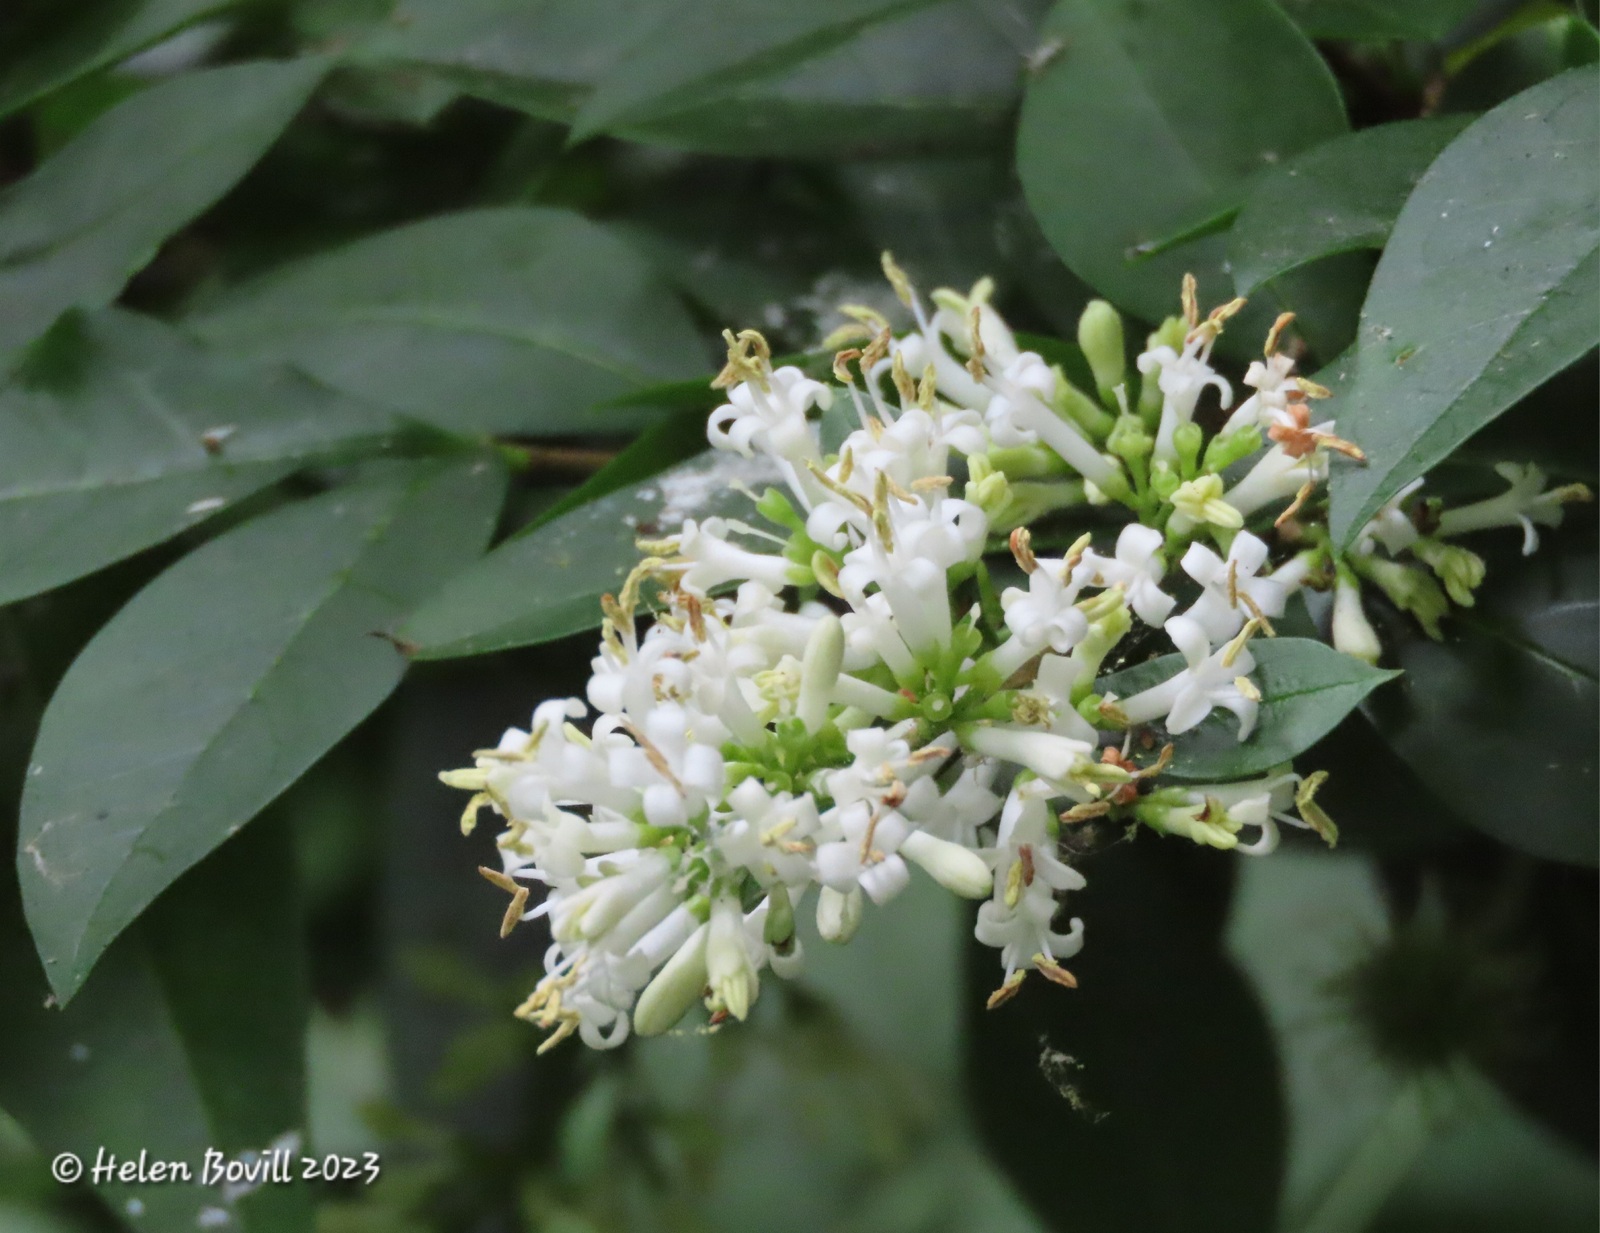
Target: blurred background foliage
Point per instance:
(304, 303)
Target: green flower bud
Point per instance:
(780, 926)
(1129, 440)
(675, 988)
(1100, 336)
(1460, 569)
(1164, 481)
(1408, 588)
(1228, 448)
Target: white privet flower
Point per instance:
(1136, 566)
(768, 412)
(1211, 679)
(1182, 378)
(1028, 875)
(1390, 526)
(1233, 592)
(1523, 504)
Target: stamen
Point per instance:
(1007, 991)
(1275, 333)
(1021, 542)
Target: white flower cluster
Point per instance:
(815, 709)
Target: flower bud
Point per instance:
(819, 671)
(729, 972)
(1187, 439)
(1229, 447)
(1352, 632)
(1129, 440)
(778, 929)
(1100, 336)
(676, 987)
(838, 914)
(952, 866)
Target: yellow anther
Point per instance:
(1007, 991)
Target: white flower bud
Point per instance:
(952, 866)
(838, 914)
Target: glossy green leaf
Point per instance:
(1307, 687)
(688, 51)
(1148, 118)
(75, 231)
(96, 33)
(1379, 19)
(107, 453)
(1486, 289)
(939, 77)
(502, 320)
(189, 1036)
(1502, 719)
(1336, 197)
(220, 683)
(1099, 1101)
(548, 583)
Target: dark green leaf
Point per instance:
(1098, 1102)
(1486, 289)
(108, 454)
(74, 231)
(507, 320)
(1379, 19)
(1306, 688)
(928, 80)
(189, 1037)
(548, 583)
(96, 33)
(1148, 119)
(1502, 720)
(1333, 198)
(219, 684)
(936, 80)
(689, 51)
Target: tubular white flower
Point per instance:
(1051, 757)
(1182, 378)
(714, 562)
(1017, 416)
(773, 420)
(1189, 696)
(1137, 567)
(1028, 876)
(1277, 477)
(1232, 590)
(1523, 504)
(838, 914)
